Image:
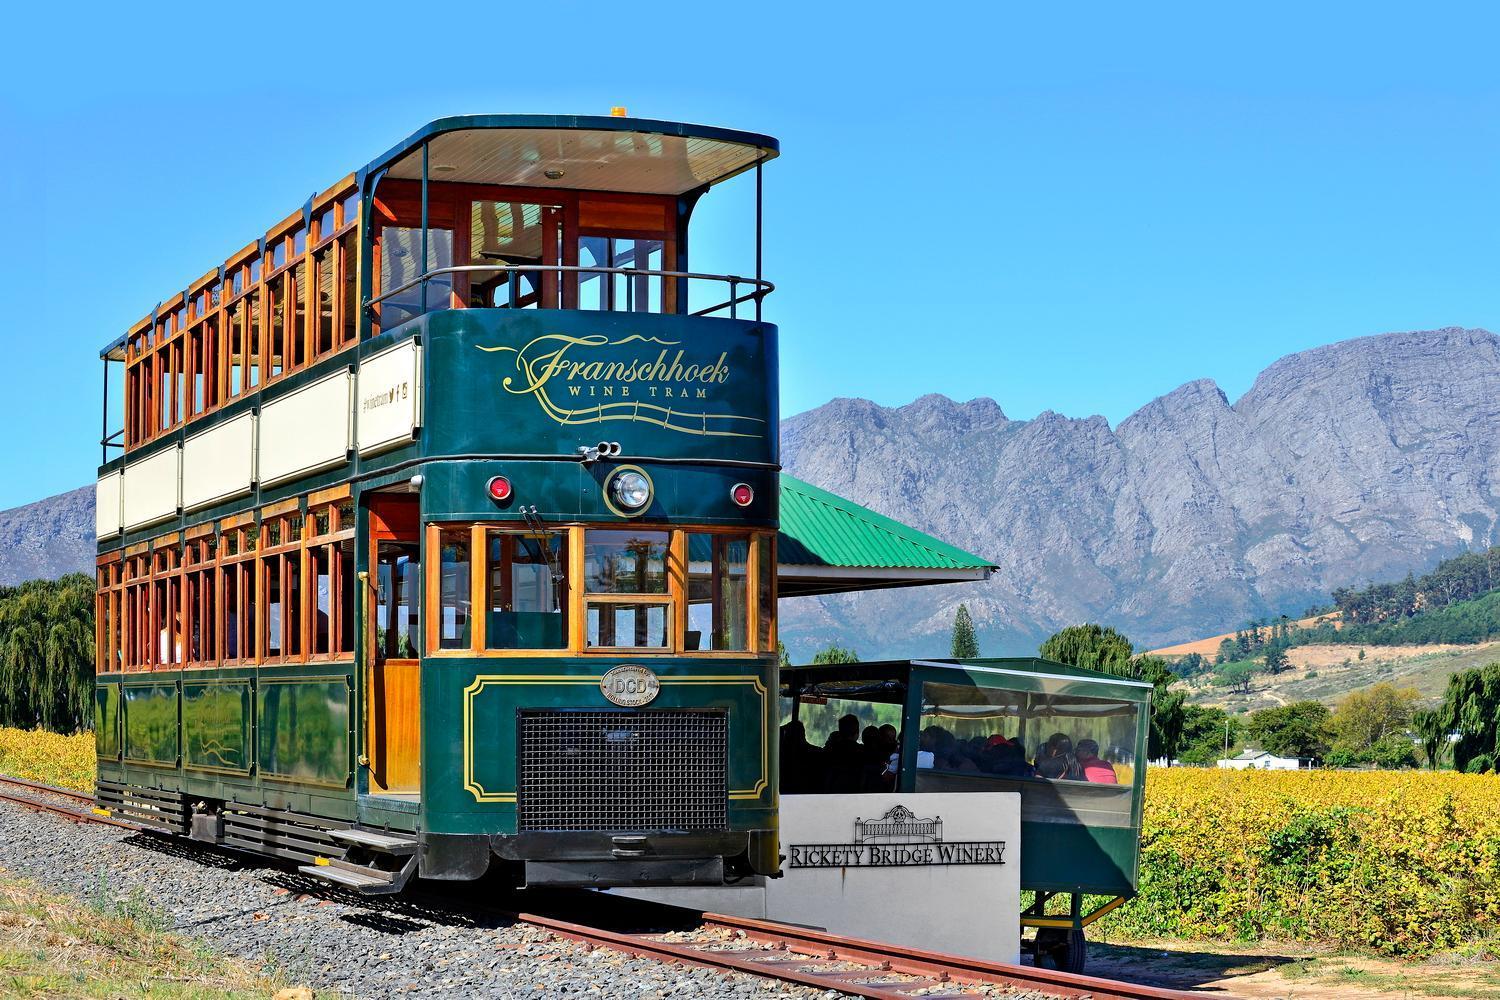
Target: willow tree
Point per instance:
(1468, 721)
(1103, 648)
(47, 654)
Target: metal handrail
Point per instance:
(761, 287)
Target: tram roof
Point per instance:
(830, 545)
(585, 152)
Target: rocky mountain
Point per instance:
(1347, 463)
(48, 538)
(1352, 462)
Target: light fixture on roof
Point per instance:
(554, 173)
(443, 168)
(618, 111)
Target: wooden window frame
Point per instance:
(761, 644)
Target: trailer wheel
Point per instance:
(1064, 950)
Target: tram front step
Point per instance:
(364, 879)
(371, 840)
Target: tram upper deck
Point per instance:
(537, 256)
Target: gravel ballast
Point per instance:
(247, 908)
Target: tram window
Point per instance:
(620, 292)
(765, 582)
(624, 561)
(323, 267)
(348, 251)
(252, 340)
(503, 232)
(400, 262)
(611, 625)
(398, 600)
(272, 641)
(276, 320)
(453, 589)
(1077, 751)
(344, 555)
(320, 567)
(232, 616)
(301, 291)
(526, 596)
(236, 348)
(718, 592)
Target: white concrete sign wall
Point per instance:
(388, 400)
(939, 871)
(219, 463)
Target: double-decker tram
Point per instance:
(441, 530)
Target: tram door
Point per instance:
(393, 734)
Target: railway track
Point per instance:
(848, 965)
(852, 966)
(76, 806)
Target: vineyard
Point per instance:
(1404, 863)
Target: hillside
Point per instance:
(1360, 460)
(1328, 672)
(48, 538)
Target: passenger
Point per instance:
(873, 756)
(1004, 758)
(1095, 768)
(1056, 760)
(842, 756)
(801, 762)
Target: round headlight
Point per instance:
(630, 490)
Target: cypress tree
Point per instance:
(965, 646)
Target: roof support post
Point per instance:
(759, 199)
(423, 269)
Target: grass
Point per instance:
(38, 755)
(109, 947)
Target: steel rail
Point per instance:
(67, 812)
(797, 955)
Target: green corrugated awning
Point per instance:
(829, 545)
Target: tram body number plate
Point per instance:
(630, 685)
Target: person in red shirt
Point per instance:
(1095, 768)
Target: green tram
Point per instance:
(998, 725)
(440, 532)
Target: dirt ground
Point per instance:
(1292, 972)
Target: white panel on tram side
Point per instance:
(219, 464)
(152, 489)
(306, 430)
(107, 505)
(388, 398)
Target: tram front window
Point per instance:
(527, 596)
(718, 592)
(625, 581)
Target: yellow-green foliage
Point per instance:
(1403, 862)
(38, 755)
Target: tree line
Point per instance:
(47, 654)
(1461, 578)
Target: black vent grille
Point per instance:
(623, 771)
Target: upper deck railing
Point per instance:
(635, 299)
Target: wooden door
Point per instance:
(393, 721)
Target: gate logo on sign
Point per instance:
(899, 839)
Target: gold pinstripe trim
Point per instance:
(482, 681)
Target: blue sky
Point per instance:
(1068, 207)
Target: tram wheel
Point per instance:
(1064, 950)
